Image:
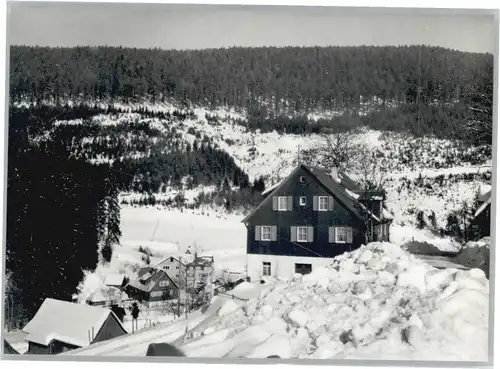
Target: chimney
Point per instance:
(334, 173)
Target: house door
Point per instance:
(303, 268)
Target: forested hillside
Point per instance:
(417, 88)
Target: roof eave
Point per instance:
(269, 195)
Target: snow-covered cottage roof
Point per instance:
(66, 322)
(114, 280)
(147, 284)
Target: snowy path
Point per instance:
(441, 262)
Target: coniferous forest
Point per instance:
(63, 211)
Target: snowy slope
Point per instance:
(272, 156)
(375, 303)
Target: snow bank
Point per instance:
(376, 302)
(476, 254)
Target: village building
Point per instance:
(115, 280)
(175, 267)
(308, 219)
(200, 271)
(60, 326)
(152, 287)
(107, 297)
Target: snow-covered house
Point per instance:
(59, 326)
(107, 297)
(312, 216)
(115, 280)
(175, 267)
(200, 271)
(152, 287)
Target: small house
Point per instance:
(309, 218)
(152, 287)
(60, 326)
(106, 297)
(115, 280)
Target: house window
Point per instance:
(301, 234)
(163, 283)
(302, 201)
(341, 234)
(302, 179)
(266, 269)
(156, 293)
(322, 203)
(303, 268)
(282, 203)
(266, 233)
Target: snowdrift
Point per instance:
(378, 302)
(476, 254)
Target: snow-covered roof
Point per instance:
(483, 207)
(114, 280)
(66, 322)
(270, 189)
(352, 194)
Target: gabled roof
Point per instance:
(345, 190)
(151, 281)
(114, 280)
(67, 322)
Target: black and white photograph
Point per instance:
(249, 182)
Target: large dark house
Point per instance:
(60, 326)
(152, 287)
(309, 218)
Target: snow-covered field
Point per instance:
(378, 302)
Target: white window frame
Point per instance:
(285, 199)
(163, 283)
(262, 238)
(266, 268)
(302, 200)
(299, 233)
(156, 293)
(325, 198)
(337, 234)
(302, 179)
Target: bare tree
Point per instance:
(337, 148)
(370, 171)
(367, 166)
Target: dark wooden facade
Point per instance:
(303, 189)
(158, 286)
